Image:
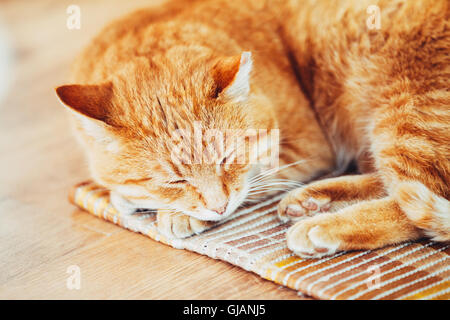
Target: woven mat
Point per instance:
(254, 239)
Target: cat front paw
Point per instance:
(178, 225)
(312, 239)
(302, 203)
(122, 205)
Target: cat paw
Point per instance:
(310, 239)
(178, 225)
(122, 205)
(301, 203)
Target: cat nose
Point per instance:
(221, 210)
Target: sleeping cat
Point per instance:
(312, 73)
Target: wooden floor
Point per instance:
(41, 234)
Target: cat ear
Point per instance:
(91, 105)
(92, 101)
(232, 77)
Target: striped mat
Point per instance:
(254, 239)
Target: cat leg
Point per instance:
(411, 148)
(425, 209)
(365, 225)
(329, 195)
(178, 225)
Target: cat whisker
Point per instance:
(270, 179)
(268, 172)
(276, 182)
(273, 183)
(268, 190)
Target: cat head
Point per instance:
(171, 133)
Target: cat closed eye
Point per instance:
(176, 182)
(228, 159)
(224, 161)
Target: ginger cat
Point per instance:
(313, 72)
